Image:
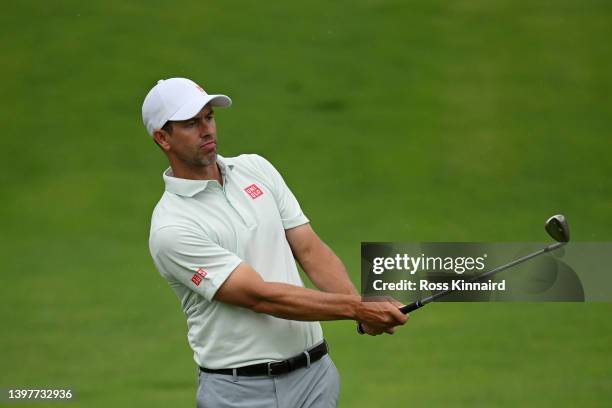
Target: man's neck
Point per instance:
(210, 172)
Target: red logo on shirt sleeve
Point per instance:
(197, 279)
(202, 272)
(253, 191)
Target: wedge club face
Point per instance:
(557, 228)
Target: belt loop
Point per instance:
(235, 374)
(307, 358)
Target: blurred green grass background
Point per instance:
(390, 120)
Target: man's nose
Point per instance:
(205, 127)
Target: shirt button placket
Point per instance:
(227, 196)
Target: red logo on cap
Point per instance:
(254, 191)
(197, 279)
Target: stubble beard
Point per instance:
(208, 159)
(200, 161)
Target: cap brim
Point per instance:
(191, 108)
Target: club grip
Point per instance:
(412, 306)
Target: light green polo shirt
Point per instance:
(201, 231)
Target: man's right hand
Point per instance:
(381, 316)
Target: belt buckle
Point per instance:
(272, 365)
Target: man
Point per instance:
(225, 235)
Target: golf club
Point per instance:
(556, 226)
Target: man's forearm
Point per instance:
(297, 303)
(244, 287)
(327, 271)
(319, 262)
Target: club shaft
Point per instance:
(422, 302)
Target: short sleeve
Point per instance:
(288, 206)
(192, 259)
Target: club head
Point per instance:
(557, 228)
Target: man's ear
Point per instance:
(161, 138)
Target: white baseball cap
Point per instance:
(176, 99)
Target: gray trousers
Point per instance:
(315, 387)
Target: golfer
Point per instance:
(225, 235)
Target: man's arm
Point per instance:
(245, 287)
(320, 263)
(323, 267)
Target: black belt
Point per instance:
(276, 367)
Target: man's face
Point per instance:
(193, 141)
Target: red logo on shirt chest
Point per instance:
(253, 191)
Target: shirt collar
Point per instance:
(188, 187)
